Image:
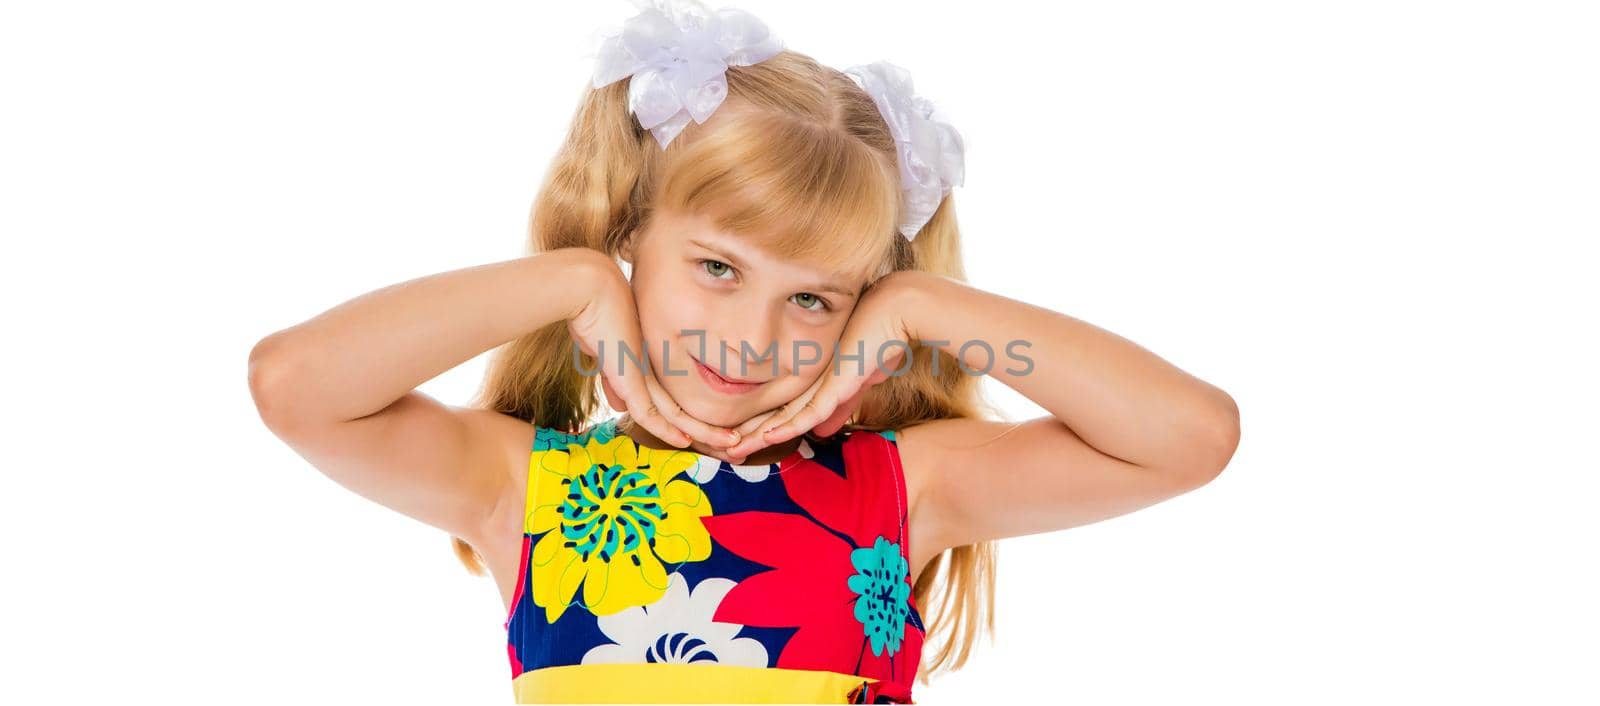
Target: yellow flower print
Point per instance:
(610, 518)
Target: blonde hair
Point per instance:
(801, 159)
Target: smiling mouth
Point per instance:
(724, 378)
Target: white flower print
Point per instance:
(677, 628)
(708, 467)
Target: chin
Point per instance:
(703, 405)
(719, 413)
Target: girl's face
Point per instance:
(717, 299)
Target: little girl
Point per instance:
(758, 255)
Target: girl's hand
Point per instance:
(611, 317)
(746, 430)
(878, 320)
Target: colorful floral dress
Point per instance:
(665, 576)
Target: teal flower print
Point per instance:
(546, 438)
(880, 581)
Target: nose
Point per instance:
(753, 339)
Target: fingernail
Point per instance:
(733, 437)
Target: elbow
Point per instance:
(1211, 438)
(268, 372)
(1215, 449)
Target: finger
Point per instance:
(840, 416)
(757, 440)
(747, 432)
(581, 341)
(612, 398)
(749, 427)
(685, 423)
(645, 413)
(879, 374)
(819, 408)
(848, 408)
(632, 383)
(836, 421)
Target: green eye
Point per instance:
(811, 297)
(711, 264)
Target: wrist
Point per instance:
(581, 275)
(909, 295)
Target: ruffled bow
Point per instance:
(678, 53)
(931, 160)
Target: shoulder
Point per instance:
(917, 448)
(517, 441)
(510, 436)
(512, 439)
(920, 443)
(925, 452)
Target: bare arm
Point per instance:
(340, 387)
(1126, 428)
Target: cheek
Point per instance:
(781, 391)
(675, 328)
(795, 381)
(663, 312)
(658, 330)
(811, 354)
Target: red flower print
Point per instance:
(810, 584)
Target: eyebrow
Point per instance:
(834, 287)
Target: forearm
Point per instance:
(362, 355)
(1117, 396)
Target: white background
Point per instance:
(1370, 222)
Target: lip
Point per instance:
(722, 384)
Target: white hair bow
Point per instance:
(931, 150)
(678, 53)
